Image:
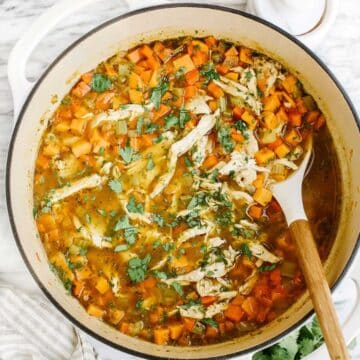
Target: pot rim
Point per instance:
(29, 99)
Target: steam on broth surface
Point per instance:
(152, 190)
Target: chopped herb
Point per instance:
(151, 127)
(245, 250)
(248, 75)
(171, 121)
(137, 268)
(113, 213)
(264, 268)
(188, 162)
(178, 288)
(158, 139)
(159, 274)
(203, 248)
(246, 233)
(209, 72)
(139, 125)
(158, 219)
(102, 212)
(63, 277)
(150, 164)
(242, 127)
(66, 100)
(83, 251)
(128, 154)
(156, 244)
(180, 73)
(121, 247)
(134, 207)
(190, 304)
(100, 83)
(158, 92)
(225, 139)
(139, 304)
(168, 247)
(101, 151)
(88, 218)
(122, 223)
(131, 235)
(115, 185)
(211, 322)
(184, 117)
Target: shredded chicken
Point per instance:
(87, 182)
(179, 148)
(250, 282)
(198, 105)
(199, 153)
(262, 253)
(129, 111)
(192, 232)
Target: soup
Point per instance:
(152, 190)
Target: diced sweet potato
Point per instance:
(161, 336)
(94, 310)
(102, 285)
(264, 155)
(184, 62)
(263, 196)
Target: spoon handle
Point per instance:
(319, 289)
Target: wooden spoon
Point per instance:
(289, 195)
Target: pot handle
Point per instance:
(19, 56)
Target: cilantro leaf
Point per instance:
(134, 207)
(158, 219)
(128, 154)
(130, 235)
(225, 139)
(121, 247)
(264, 268)
(115, 185)
(158, 92)
(137, 268)
(100, 83)
(122, 223)
(184, 117)
(209, 72)
(178, 288)
(171, 121)
(150, 164)
(211, 322)
(246, 250)
(159, 274)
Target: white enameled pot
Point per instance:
(122, 32)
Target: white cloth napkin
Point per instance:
(31, 329)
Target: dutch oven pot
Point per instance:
(123, 32)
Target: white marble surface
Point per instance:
(340, 50)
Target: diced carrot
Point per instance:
(125, 327)
(87, 77)
(179, 229)
(255, 212)
(312, 116)
(155, 316)
(215, 90)
(103, 101)
(189, 323)
(234, 313)
(263, 196)
(200, 58)
(238, 112)
(282, 115)
(161, 336)
(289, 83)
(249, 119)
(185, 62)
(149, 282)
(78, 288)
(83, 274)
(81, 147)
(234, 76)
(192, 76)
(153, 63)
(211, 332)
(238, 300)
(110, 70)
(145, 75)
(275, 276)
(222, 69)
(146, 140)
(275, 144)
(213, 104)
(271, 103)
(320, 122)
(282, 150)
(136, 97)
(210, 162)
(260, 179)
(210, 41)
(264, 155)
(94, 310)
(300, 105)
(199, 46)
(51, 150)
(251, 307)
(236, 135)
(246, 55)
(162, 111)
(146, 51)
(78, 126)
(102, 285)
(232, 52)
(190, 91)
(262, 84)
(134, 56)
(176, 330)
(208, 300)
(295, 118)
(81, 89)
(47, 221)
